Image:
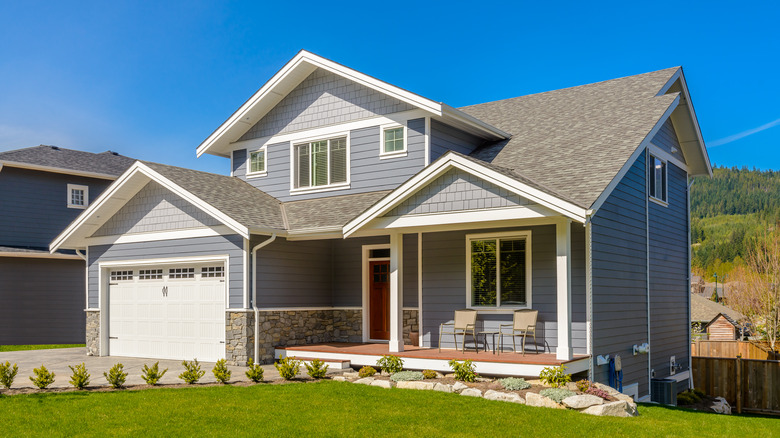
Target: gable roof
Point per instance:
(726, 317)
(577, 140)
(704, 310)
(300, 67)
(106, 165)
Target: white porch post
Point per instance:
(396, 293)
(563, 271)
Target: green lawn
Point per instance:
(37, 347)
(338, 409)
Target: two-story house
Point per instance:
(42, 190)
(357, 213)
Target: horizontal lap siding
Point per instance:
(42, 301)
(231, 245)
(666, 139)
(445, 138)
(295, 274)
(619, 276)
(669, 289)
(348, 269)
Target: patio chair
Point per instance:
(523, 323)
(465, 322)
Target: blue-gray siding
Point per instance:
(445, 138)
(367, 172)
(34, 205)
(231, 245)
(444, 285)
(619, 276)
(666, 139)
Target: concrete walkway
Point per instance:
(57, 360)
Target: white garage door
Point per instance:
(167, 312)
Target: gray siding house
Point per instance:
(359, 213)
(42, 189)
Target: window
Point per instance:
(212, 272)
(121, 275)
(321, 163)
(657, 179)
(150, 274)
(500, 274)
(393, 141)
(78, 196)
(181, 273)
(257, 161)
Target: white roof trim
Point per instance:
(56, 170)
(116, 188)
(40, 255)
(289, 76)
(451, 160)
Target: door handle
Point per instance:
(165, 291)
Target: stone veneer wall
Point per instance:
(411, 324)
(239, 337)
(93, 333)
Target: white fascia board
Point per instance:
(461, 117)
(449, 161)
(630, 162)
(39, 255)
(462, 217)
(57, 170)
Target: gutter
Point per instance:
(254, 293)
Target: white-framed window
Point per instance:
(499, 270)
(181, 273)
(150, 274)
(121, 275)
(78, 196)
(212, 272)
(321, 163)
(393, 141)
(257, 162)
(657, 179)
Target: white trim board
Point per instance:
(57, 170)
(39, 255)
(218, 230)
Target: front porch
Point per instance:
(506, 363)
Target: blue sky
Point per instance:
(151, 80)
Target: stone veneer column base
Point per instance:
(411, 324)
(239, 337)
(93, 333)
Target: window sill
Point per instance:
(498, 310)
(308, 190)
(80, 207)
(256, 175)
(389, 155)
(658, 201)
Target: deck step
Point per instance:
(333, 364)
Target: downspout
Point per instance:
(690, 352)
(647, 271)
(589, 292)
(254, 294)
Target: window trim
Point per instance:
(650, 168)
(326, 188)
(394, 154)
(249, 152)
(83, 188)
(525, 234)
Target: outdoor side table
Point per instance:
(485, 334)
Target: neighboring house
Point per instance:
(705, 312)
(723, 328)
(42, 189)
(357, 211)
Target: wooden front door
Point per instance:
(379, 300)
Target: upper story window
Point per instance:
(499, 270)
(656, 179)
(257, 162)
(78, 196)
(393, 141)
(321, 163)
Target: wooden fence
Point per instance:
(731, 349)
(748, 385)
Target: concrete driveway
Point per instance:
(57, 360)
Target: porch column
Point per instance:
(396, 293)
(563, 285)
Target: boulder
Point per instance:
(614, 393)
(415, 384)
(364, 381)
(471, 392)
(442, 387)
(618, 408)
(582, 401)
(459, 386)
(503, 396)
(382, 383)
(351, 375)
(540, 401)
(339, 378)
(721, 406)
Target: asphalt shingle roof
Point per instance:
(329, 212)
(704, 310)
(108, 163)
(575, 140)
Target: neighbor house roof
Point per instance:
(704, 310)
(107, 164)
(576, 140)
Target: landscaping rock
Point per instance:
(415, 384)
(483, 379)
(339, 378)
(459, 386)
(352, 375)
(382, 383)
(442, 387)
(582, 401)
(532, 399)
(618, 408)
(721, 406)
(503, 396)
(364, 381)
(471, 392)
(614, 393)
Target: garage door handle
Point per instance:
(113, 337)
(221, 342)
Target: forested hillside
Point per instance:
(727, 212)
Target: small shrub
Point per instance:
(556, 394)
(116, 376)
(366, 371)
(699, 392)
(288, 367)
(152, 375)
(464, 371)
(689, 397)
(403, 376)
(254, 371)
(7, 374)
(583, 385)
(221, 372)
(555, 376)
(192, 372)
(597, 392)
(43, 377)
(316, 369)
(514, 384)
(430, 374)
(390, 364)
(80, 377)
